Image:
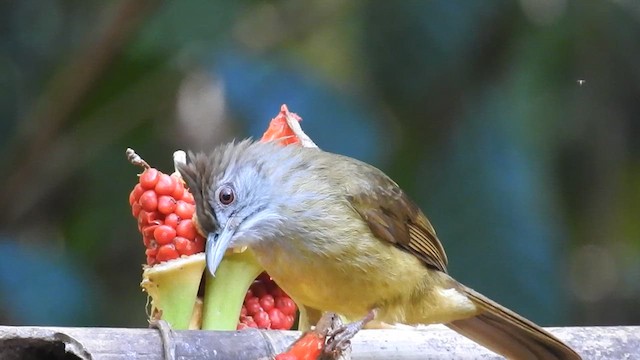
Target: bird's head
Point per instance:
(234, 196)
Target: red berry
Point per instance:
(262, 320)
(167, 252)
(267, 302)
(198, 244)
(286, 305)
(191, 249)
(243, 311)
(184, 210)
(180, 243)
(178, 192)
(186, 229)
(146, 218)
(288, 323)
(149, 201)
(166, 184)
(151, 252)
(142, 217)
(248, 296)
(166, 204)
(246, 321)
(278, 319)
(149, 178)
(135, 209)
(135, 194)
(164, 234)
(188, 198)
(184, 246)
(253, 306)
(149, 230)
(172, 220)
(151, 256)
(146, 240)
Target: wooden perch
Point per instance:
(433, 342)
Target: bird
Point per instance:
(339, 235)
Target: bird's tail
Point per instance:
(507, 333)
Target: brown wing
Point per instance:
(393, 217)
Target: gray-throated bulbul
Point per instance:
(339, 235)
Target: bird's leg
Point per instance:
(340, 338)
(166, 336)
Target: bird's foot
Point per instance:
(340, 338)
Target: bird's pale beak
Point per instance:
(216, 247)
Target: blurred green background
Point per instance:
(514, 124)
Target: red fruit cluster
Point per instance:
(266, 306)
(164, 208)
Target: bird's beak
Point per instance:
(217, 244)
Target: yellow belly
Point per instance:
(350, 280)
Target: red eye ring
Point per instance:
(226, 195)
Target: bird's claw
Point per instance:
(339, 338)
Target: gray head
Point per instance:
(239, 194)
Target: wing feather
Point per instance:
(393, 217)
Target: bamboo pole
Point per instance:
(433, 342)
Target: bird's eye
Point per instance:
(226, 195)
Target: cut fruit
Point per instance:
(173, 288)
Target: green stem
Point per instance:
(224, 293)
